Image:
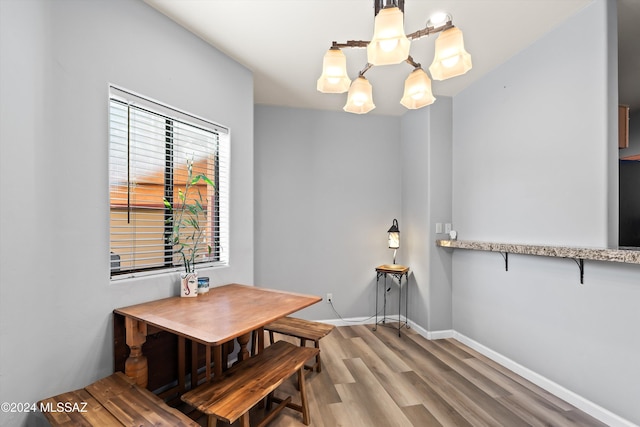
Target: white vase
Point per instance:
(189, 284)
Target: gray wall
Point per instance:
(328, 186)
(57, 60)
(426, 200)
(531, 164)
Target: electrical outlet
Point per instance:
(447, 227)
(329, 298)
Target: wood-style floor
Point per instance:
(372, 379)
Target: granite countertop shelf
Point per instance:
(629, 256)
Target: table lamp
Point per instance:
(394, 238)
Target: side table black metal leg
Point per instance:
(384, 304)
(375, 327)
(399, 303)
(406, 300)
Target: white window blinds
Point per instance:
(150, 146)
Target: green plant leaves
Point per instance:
(187, 233)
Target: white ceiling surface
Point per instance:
(283, 41)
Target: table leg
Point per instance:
(260, 333)
(181, 364)
(194, 364)
(207, 361)
(243, 340)
(217, 361)
(136, 364)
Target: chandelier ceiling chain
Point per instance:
(390, 45)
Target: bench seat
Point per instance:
(305, 330)
(247, 383)
(112, 401)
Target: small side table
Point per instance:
(395, 271)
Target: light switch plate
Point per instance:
(438, 228)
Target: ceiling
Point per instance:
(283, 41)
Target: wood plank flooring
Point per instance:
(375, 378)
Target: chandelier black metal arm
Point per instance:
(409, 61)
(365, 69)
(429, 30)
(350, 43)
(426, 31)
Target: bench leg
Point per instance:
(212, 421)
(318, 363)
(303, 397)
(269, 402)
(282, 403)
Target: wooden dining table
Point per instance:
(222, 315)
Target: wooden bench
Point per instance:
(112, 401)
(305, 330)
(241, 387)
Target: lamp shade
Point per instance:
(389, 44)
(360, 97)
(394, 235)
(334, 78)
(417, 90)
(451, 59)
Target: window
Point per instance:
(150, 146)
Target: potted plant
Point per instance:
(187, 235)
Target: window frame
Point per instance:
(218, 223)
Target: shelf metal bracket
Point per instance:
(505, 255)
(580, 263)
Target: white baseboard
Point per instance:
(352, 321)
(432, 335)
(572, 398)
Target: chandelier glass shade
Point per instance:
(360, 97)
(451, 59)
(334, 78)
(390, 45)
(417, 90)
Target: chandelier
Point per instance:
(388, 46)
